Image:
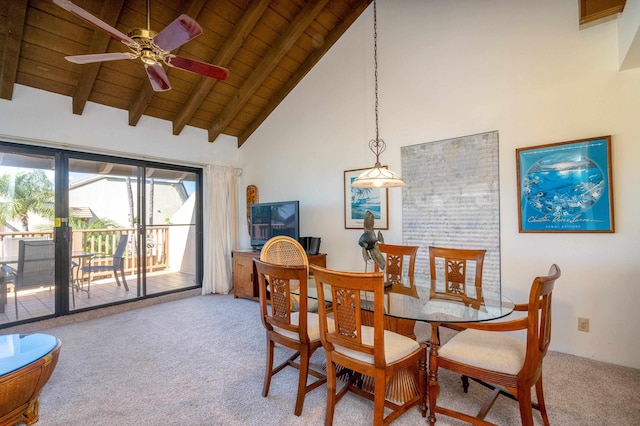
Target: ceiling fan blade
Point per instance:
(83, 14)
(177, 33)
(197, 67)
(158, 78)
(100, 57)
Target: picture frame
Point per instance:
(566, 186)
(358, 200)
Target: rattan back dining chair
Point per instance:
(284, 250)
(364, 350)
(297, 330)
(486, 352)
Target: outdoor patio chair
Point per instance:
(35, 267)
(117, 264)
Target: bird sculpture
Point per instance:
(369, 242)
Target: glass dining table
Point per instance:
(434, 302)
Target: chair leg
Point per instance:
(331, 392)
(15, 298)
(378, 399)
(3, 292)
(268, 371)
(526, 409)
(124, 281)
(302, 379)
(465, 383)
(541, 405)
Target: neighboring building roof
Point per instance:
(81, 212)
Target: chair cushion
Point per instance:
(396, 346)
(494, 351)
(313, 326)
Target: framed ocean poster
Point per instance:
(358, 200)
(566, 186)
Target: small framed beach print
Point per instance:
(358, 200)
(566, 186)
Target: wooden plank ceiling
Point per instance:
(268, 46)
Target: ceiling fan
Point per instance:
(152, 48)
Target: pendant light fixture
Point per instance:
(378, 176)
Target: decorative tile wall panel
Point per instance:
(452, 199)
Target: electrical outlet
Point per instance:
(583, 324)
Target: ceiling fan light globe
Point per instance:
(148, 57)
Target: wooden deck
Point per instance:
(39, 303)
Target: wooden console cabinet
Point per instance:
(245, 283)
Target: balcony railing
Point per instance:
(103, 242)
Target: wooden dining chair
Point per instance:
(485, 352)
(400, 262)
(364, 350)
(297, 330)
(399, 271)
(449, 267)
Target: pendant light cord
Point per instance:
(377, 145)
(378, 176)
(375, 61)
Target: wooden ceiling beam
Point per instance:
(17, 12)
(222, 58)
(99, 43)
(593, 10)
(140, 104)
(304, 69)
(268, 63)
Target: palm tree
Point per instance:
(27, 192)
(99, 223)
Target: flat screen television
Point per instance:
(268, 220)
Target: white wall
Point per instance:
(41, 118)
(450, 69)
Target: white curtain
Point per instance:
(220, 226)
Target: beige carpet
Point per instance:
(200, 361)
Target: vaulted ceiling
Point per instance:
(267, 45)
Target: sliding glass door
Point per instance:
(170, 236)
(118, 230)
(103, 210)
(27, 260)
